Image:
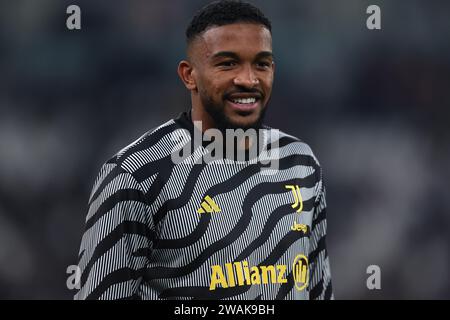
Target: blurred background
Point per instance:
(373, 105)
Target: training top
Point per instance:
(204, 228)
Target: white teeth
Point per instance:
(245, 101)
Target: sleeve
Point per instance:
(320, 287)
(118, 237)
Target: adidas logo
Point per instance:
(209, 206)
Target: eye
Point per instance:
(227, 64)
(264, 64)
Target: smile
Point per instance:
(244, 101)
(244, 105)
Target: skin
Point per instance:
(229, 62)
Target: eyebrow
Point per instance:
(231, 54)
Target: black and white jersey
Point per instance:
(223, 229)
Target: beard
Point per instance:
(250, 142)
(217, 112)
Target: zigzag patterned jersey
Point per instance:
(223, 229)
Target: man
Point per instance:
(164, 223)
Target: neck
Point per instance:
(198, 114)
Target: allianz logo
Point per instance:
(241, 274)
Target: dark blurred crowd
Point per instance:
(373, 105)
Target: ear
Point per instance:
(185, 71)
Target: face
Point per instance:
(231, 73)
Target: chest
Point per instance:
(224, 203)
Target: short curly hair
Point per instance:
(224, 12)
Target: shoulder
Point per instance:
(152, 147)
(291, 144)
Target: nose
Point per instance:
(246, 78)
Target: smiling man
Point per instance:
(227, 228)
(229, 73)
